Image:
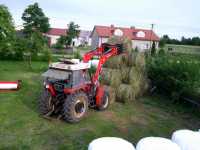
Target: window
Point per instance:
(140, 34)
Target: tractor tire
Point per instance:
(75, 107)
(45, 102)
(105, 102)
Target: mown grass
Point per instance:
(21, 127)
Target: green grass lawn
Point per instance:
(21, 127)
(184, 49)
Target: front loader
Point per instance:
(70, 89)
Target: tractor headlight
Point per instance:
(47, 86)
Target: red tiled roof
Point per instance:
(107, 31)
(57, 31)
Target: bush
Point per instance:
(77, 55)
(161, 51)
(153, 49)
(20, 46)
(174, 76)
(57, 46)
(13, 50)
(46, 55)
(136, 49)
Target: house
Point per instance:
(55, 33)
(83, 38)
(141, 38)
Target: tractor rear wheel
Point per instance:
(105, 102)
(45, 102)
(75, 107)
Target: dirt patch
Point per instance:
(139, 119)
(121, 123)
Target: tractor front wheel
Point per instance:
(75, 107)
(105, 102)
(45, 102)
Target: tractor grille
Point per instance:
(59, 87)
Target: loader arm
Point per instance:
(103, 58)
(88, 56)
(104, 52)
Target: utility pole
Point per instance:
(152, 27)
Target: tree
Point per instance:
(162, 43)
(35, 20)
(196, 41)
(61, 42)
(72, 32)
(166, 38)
(7, 28)
(184, 41)
(7, 32)
(35, 24)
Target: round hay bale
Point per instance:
(126, 42)
(131, 59)
(124, 93)
(125, 75)
(106, 76)
(112, 93)
(116, 78)
(125, 60)
(111, 77)
(116, 62)
(140, 61)
(136, 78)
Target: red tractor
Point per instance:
(70, 88)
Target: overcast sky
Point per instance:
(173, 17)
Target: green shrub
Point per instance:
(161, 51)
(46, 55)
(153, 49)
(20, 47)
(136, 49)
(13, 50)
(57, 46)
(77, 55)
(174, 76)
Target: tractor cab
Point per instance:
(67, 74)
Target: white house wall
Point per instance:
(142, 45)
(95, 40)
(89, 41)
(103, 40)
(53, 38)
